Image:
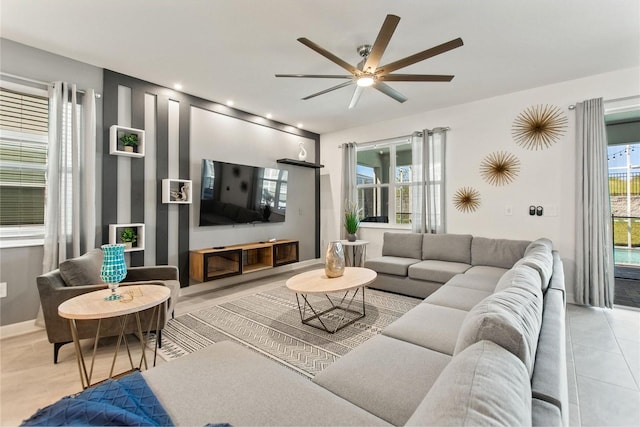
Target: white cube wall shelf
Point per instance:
(115, 132)
(176, 191)
(116, 229)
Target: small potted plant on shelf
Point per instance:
(352, 220)
(128, 237)
(129, 141)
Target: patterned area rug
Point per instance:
(269, 323)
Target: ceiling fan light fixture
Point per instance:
(365, 80)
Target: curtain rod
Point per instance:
(624, 98)
(403, 137)
(38, 82)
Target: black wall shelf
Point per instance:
(300, 163)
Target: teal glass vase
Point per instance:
(114, 268)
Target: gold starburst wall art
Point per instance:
(466, 199)
(539, 127)
(500, 168)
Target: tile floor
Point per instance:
(603, 363)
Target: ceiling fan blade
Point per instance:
(384, 36)
(420, 56)
(341, 85)
(415, 78)
(356, 96)
(388, 90)
(330, 56)
(317, 76)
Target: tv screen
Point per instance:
(241, 194)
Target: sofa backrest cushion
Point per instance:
(447, 247)
(483, 385)
(521, 275)
(541, 242)
(405, 245)
(83, 270)
(540, 259)
(511, 318)
(497, 252)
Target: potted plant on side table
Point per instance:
(128, 237)
(129, 141)
(352, 220)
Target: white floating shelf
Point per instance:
(116, 229)
(177, 191)
(116, 147)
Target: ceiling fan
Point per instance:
(368, 74)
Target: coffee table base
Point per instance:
(343, 321)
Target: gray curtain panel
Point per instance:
(349, 193)
(594, 244)
(428, 203)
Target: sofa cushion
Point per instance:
(417, 327)
(541, 242)
(404, 245)
(436, 271)
(497, 252)
(511, 318)
(228, 383)
(83, 270)
(447, 247)
(483, 385)
(521, 275)
(384, 376)
(471, 281)
(545, 414)
(540, 259)
(456, 297)
(391, 265)
(494, 273)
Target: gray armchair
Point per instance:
(82, 275)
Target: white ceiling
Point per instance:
(231, 49)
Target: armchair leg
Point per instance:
(56, 349)
(160, 338)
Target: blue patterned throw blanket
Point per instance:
(125, 402)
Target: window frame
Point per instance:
(392, 186)
(25, 235)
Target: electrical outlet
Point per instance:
(3, 289)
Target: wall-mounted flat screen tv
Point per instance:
(241, 194)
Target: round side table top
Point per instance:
(356, 243)
(317, 282)
(92, 305)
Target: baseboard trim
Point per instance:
(20, 328)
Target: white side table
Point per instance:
(355, 253)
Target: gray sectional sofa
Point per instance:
(486, 347)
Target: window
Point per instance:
(24, 124)
(384, 180)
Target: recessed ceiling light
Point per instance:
(269, 116)
(230, 103)
(177, 86)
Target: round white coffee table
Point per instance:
(93, 306)
(350, 284)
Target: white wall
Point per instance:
(226, 139)
(477, 129)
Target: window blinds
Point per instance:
(24, 125)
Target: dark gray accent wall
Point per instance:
(111, 174)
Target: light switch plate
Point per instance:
(3, 289)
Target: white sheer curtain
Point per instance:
(349, 176)
(594, 244)
(427, 196)
(70, 217)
